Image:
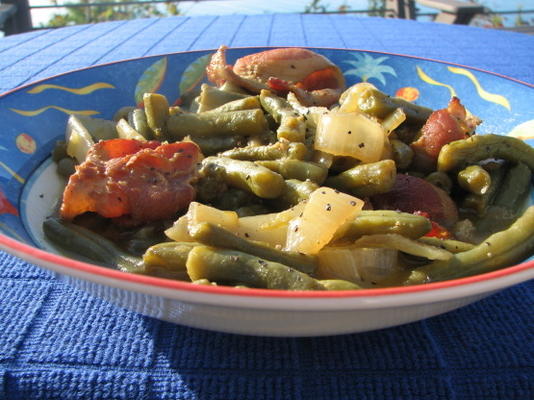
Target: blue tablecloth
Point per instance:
(57, 342)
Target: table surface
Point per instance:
(58, 342)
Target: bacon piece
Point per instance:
(442, 127)
(312, 77)
(138, 181)
(412, 194)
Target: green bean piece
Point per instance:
(515, 186)
(98, 128)
(280, 149)
(212, 97)
(126, 131)
(296, 191)
(211, 183)
(231, 267)
(292, 126)
(233, 88)
(137, 120)
(402, 153)
(500, 250)
(275, 105)
(481, 202)
(233, 198)
(441, 180)
(249, 176)
(123, 112)
(474, 179)
(246, 103)
(77, 241)
(66, 166)
(507, 203)
(157, 113)
(377, 222)
(379, 105)
(454, 246)
(216, 236)
(338, 284)
(296, 169)
(217, 144)
(456, 155)
(241, 123)
(366, 179)
(253, 209)
(167, 260)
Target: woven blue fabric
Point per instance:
(57, 342)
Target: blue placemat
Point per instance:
(58, 342)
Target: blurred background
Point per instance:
(502, 14)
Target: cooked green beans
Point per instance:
(514, 188)
(157, 113)
(378, 104)
(402, 153)
(216, 236)
(441, 180)
(480, 202)
(242, 123)
(366, 179)
(249, 176)
(292, 126)
(456, 155)
(296, 169)
(167, 260)
(295, 192)
(497, 251)
(246, 103)
(374, 222)
(274, 151)
(237, 268)
(79, 240)
(212, 97)
(474, 179)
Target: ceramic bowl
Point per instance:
(34, 117)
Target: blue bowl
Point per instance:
(34, 118)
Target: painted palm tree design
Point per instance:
(367, 67)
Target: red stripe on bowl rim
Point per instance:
(30, 253)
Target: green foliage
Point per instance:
(377, 7)
(101, 13)
(315, 6)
